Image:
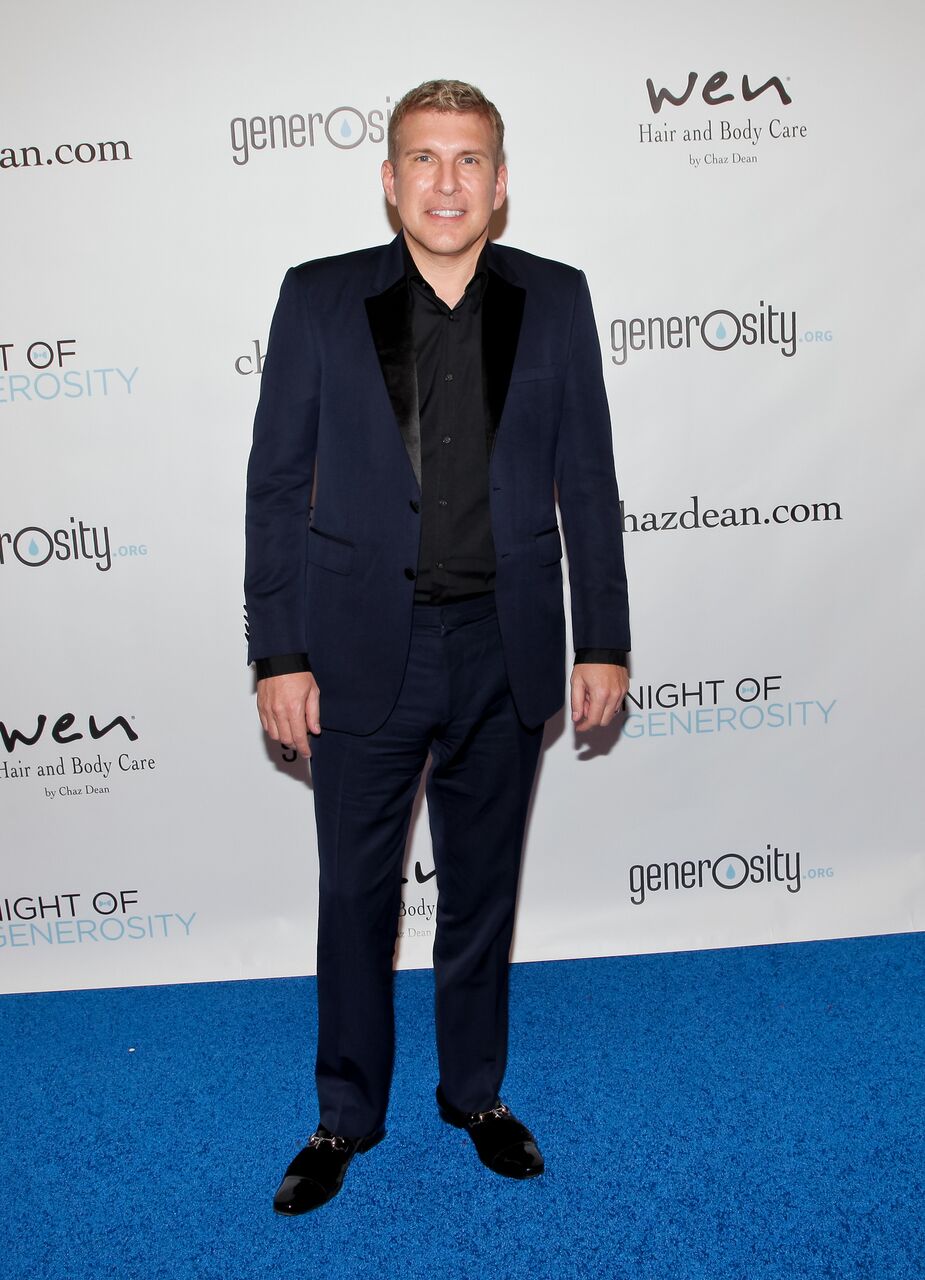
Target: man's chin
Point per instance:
(450, 241)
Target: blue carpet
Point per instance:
(755, 1112)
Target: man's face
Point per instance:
(444, 182)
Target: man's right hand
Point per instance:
(289, 709)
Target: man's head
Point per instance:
(445, 173)
(448, 96)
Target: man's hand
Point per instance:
(598, 689)
(289, 709)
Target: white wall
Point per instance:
(798, 641)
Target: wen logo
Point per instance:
(59, 731)
(710, 91)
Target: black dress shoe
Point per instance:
(503, 1144)
(317, 1173)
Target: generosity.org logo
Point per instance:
(342, 127)
(34, 546)
(719, 330)
(728, 871)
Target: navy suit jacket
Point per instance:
(333, 493)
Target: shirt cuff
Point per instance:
(283, 665)
(616, 656)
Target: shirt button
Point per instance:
(415, 505)
(447, 377)
(447, 439)
(410, 575)
(441, 502)
(439, 564)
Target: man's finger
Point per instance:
(313, 711)
(292, 729)
(597, 704)
(579, 693)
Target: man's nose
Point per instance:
(447, 181)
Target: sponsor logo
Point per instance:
(81, 772)
(64, 153)
(694, 708)
(710, 91)
(35, 546)
(63, 731)
(772, 868)
(35, 920)
(343, 128)
(717, 90)
(720, 329)
(46, 378)
(697, 516)
(416, 915)
(251, 361)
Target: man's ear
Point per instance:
(387, 174)
(500, 186)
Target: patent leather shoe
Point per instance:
(317, 1173)
(503, 1144)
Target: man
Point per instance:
(428, 398)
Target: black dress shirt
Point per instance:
(456, 559)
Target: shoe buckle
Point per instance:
(498, 1111)
(334, 1141)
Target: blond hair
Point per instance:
(446, 95)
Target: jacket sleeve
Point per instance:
(588, 497)
(279, 478)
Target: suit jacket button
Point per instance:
(415, 505)
(410, 575)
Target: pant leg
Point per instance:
(364, 793)
(478, 793)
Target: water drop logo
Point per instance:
(730, 871)
(345, 128)
(720, 329)
(33, 546)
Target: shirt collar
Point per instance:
(475, 287)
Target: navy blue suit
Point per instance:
(338, 398)
(333, 531)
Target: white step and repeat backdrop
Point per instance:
(742, 185)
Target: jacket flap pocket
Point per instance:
(548, 545)
(329, 553)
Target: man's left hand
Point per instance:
(598, 690)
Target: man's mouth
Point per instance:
(446, 213)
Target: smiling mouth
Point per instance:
(446, 213)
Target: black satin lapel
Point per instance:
(502, 313)
(389, 316)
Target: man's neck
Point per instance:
(446, 274)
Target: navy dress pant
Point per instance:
(454, 704)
